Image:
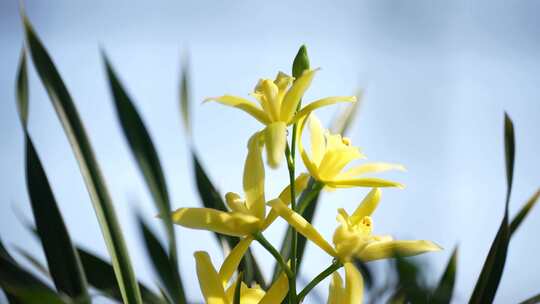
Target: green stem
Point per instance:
(273, 251)
(328, 271)
(289, 153)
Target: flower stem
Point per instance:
(328, 271)
(289, 153)
(310, 196)
(273, 251)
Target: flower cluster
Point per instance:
(329, 167)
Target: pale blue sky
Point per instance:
(437, 76)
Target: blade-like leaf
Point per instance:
(69, 117)
(100, 275)
(532, 300)
(445, 288)
(238, 289)
(20, 284)
(33, 261)
(514, 225)
(148, 161)
(162, 264)
(490, 276)
(211, 198)
(184, 97)
(22, 89)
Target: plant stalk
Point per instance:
(321, 276)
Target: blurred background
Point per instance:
(437, 78)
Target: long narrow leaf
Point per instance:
(148, 161)
(103, 206)
(100, 275)
(532, 300)
(445, 288)
(518, 219)
(488, 282)
(162, 264)
(184, 97)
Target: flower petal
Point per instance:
(275, 139)
(318, 142)
(253, 181)
(277, 291)
(301, 225)
(362, 182)
(354, 285)
(389, 249)
(300, 183)
(321, 103)
(367, 206)
(242, 104)
(231, 262)
(209, 282)
(335, 292)
(295, 93)
(370, 168)
(308, 162)
(229, 223)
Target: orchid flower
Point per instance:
(353, 239)
(214, 288)
(331, 153)
(278, 102)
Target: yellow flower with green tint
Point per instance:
(215, 291)
(332, 153)
(354, 239)
(278, 101)
(351, 292)
(246, 216)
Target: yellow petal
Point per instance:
(253, 181)
(318, 142)
(277, 292)
(271, 91)
(389, 249)
(367, 206)
(231, 262)
(275, 138)
(335, 160)
(242, 104)
(370, 168)
(235, 202)
(335, 292)
(295, 93)
(300, 183)
(321, 103)
(247, 295)
(362, 182)
(301, 225)
(229, 223)
(209, 282)
(354, 285)
(311, 166)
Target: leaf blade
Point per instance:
(445, 288)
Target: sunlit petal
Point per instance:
(362, 182)
(231, 262)
(301, 225)
(308, 162)
(389, 249)
(367, 206)
(277, 292)
(354, 285)
(275, 139)
(318, 141)
(242, 104)
(335, 292)
(369, 168)
(321, 103)
(229, 223)
(295, 93)
(253, 181)
(209, 282)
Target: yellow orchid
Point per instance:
(214, 284)
(331, 153)
(352, 292)
(246, 217)
(278, 102)
(353, 239)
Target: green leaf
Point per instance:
(33, 261)
(20, 284)
(22, 89)
(514, 225)
(184, 97)
(532, 300)
(166, 272)
(148, 161)
(445, 288)
(301, 62)
(238, 288)
(490, 276)
(100, 275)
(103, 206)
